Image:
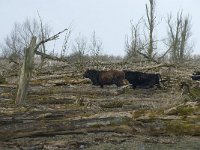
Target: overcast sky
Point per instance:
(109, 18)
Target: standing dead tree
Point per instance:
(65, 46)
(178, 37)
(44, 34)
(79, 50)
(26, 72)
(137, 46)
(95, 48)
(134, 45)
(27, 66)
(150, 24)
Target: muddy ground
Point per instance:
(64, 111)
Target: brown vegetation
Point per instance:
(64, 105)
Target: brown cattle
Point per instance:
(105, 77)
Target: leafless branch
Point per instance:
(50, 38)
(50, 57)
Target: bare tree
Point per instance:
(65, 46)
(150, 24)
(95, 48)
(179, 33)
(134, 44)
(79, 50)
(14, 45)
(20, 37)
(43, 34)
(137, 47)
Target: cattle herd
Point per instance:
(135, 78)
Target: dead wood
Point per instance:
(8, 86)
(26, 73)
(46, 127)
(81, 91)
(49, 39)
(157, 66)
(46, 56)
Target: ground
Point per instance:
(65, 111)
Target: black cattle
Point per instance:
(196, 75)
(142, 80)
(105, 77)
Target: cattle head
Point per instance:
(93, 75)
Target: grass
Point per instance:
(179, 127)
(2, 80)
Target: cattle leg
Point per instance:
(101, 86)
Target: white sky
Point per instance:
(109, 18)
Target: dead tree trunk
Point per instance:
(27, 67)
(151, 20)
(26, 72)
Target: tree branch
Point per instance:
(49, 39)
(50, 57)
